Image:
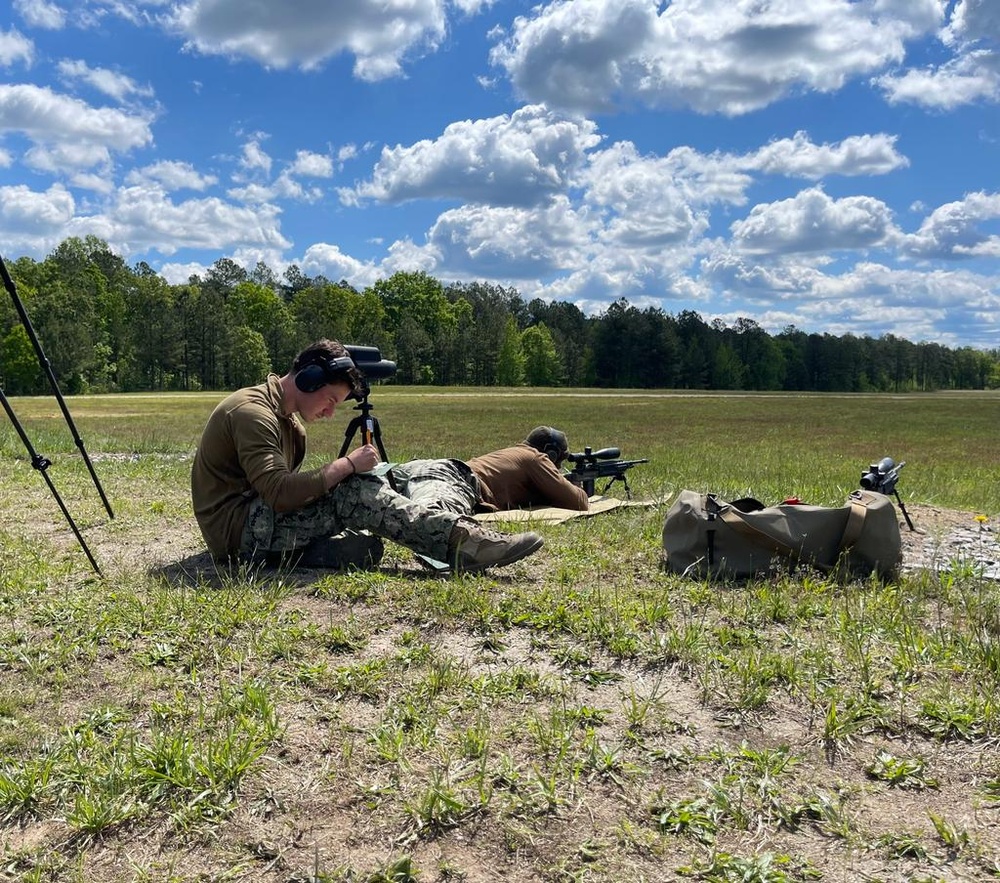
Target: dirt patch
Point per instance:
(946, 539)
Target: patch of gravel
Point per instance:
(949, 539)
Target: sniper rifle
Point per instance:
(589, 466)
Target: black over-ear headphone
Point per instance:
(320, 370)
(555, 446)
(548, 441)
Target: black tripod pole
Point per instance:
(368, 426)
(371, 434)
(44, 362)
(42, 465)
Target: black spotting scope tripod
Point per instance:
(37, 461)
(371, 434)
(367, 424)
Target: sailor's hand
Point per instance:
(364, 458)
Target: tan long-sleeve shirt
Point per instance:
(523, 476)
(249, 448)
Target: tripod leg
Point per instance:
(72, 523)
(376, 432)
(41, 464)
(349, 433)
(47, 368)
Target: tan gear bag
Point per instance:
(704, 536)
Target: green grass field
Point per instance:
(582, 715)
(776, 445)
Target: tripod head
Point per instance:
(368, 360)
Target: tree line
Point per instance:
(109, 327)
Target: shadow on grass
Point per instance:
(201, 569)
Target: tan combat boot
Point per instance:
(472, 547)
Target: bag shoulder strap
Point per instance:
(855, 521)
(732, 518)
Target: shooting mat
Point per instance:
(555, 515)
(547, 514)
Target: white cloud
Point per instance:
(327, 260)
(653, 201)
(143, 217)
(866, 299)
(955, 230)
(255, 164)
(282, 187)
(172, 175)
(116, 85)
(471, 7)
(964, 80)
(258, 164)
(347, 152)
(315, 165)
(249, 256)
(92, 181)
(856, 155)
(47, 117)
(136, 12)
(41, 14)
(33, 222)
(646, 202)
(876, 299)
(972, 75)
(15, 47)
(379, 35)
(620, 178)
(27, 211)
(254, 157)
(67, 157)
(178, 274)
(511, 242)
(579, 55)
(974, 20)
(404, 255)
(813, 222)
(516, 160)
(780, 281)
(709, 55)
(136, 220)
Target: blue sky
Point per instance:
(828, 164)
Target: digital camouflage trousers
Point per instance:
(420, 513)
